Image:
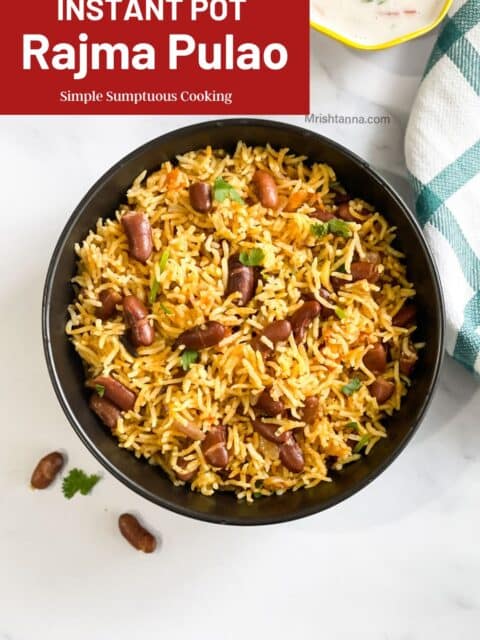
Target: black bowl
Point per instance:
(66, 370)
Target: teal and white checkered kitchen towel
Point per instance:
(442, 149)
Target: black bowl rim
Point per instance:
(171, 504)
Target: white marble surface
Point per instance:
(398, 561)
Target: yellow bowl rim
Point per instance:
(390, 43)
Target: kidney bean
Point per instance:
(277, 331)
(340, 197)
(109, 300)
(105, 410)
(46, 470)
(343, 212)
(182, 474)
(136, 534)
(364, 270)
(326, 311)
(115, 391)
(309, 412)
(141, 331)
(338, 283)
(266, 188)
(267, 406)
(201, 337)
(303, 317)
(322, 215)
(139, 235)
(407, 363)
(382, 390)
(406, 316)
(240, 279)
(376, 359)
(200, 196)
(214, 447)
(291, 455)
(268, 431)
(127, 343)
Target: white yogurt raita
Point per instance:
(372, 22)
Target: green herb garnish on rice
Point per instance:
(352, 386)
(362, 443)
(335, 226)
(252, 258)
(152, 296)
(188, 357)
(222, 190)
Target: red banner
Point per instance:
(155, 57)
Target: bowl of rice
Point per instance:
(242, 322)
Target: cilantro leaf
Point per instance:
(340, 313)
(339, 228)
(252, 258)
(100, 389)
(352, 425)
(352, 386)
(222, 190)
(78, 480)
(152, 296)
(319, 229)
(362, 442)
(188, 357)
(335, 226)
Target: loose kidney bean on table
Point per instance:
(136, 534)
(46, 470)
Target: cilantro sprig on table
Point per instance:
(78, 481)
